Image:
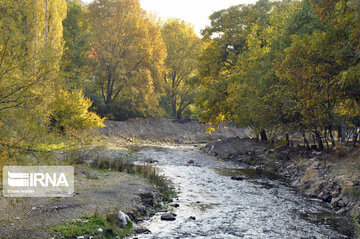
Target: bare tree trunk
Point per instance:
(287, 138)
(263, 136)
(331, 136)
(319, 140)
(326, 138)
(306, 142)
(356, 134)
(173, 107)
(343, 130)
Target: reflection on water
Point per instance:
(260, 206)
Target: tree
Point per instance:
(30, 49)
(183, 49)
(31, 45)
(76, 64)
(225, 65)
(130, 54)
(311, 72)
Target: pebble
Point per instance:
(168, 217)
(237, 178)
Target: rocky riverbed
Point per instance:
(332, 175)
(220, 199)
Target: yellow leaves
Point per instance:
(70, 112)
(209, 130)
(130, 52)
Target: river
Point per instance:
(260, 206)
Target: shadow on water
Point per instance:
(249, 173)
(338, 222)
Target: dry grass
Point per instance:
(123, 165)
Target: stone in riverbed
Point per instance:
(237, 178)
(147, 198)
(168, 217)
(141, 230)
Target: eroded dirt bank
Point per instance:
(332, 176)
(167, 130)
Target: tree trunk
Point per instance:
(173, 108)
(339, 138)
(356, 134)
(319, 140)
(343, 130)
(287, 138)
(263, 136)
(326, 138)
(331, 136)
(178, 114)
(306, 142)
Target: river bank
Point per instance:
(106, 181)
(332, 176)
(98, 192)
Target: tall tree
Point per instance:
(30, 49)
(183, 50)
(31, 45)
(130, 54)
(223, 66)
(76, 64)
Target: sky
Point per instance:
(196, 12)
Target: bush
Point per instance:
(70, 113)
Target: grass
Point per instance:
(356, 223)
(89, 226)
(124, 165)
(168, 195)
(352, 191)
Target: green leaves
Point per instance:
(183, 49)
(76, 64)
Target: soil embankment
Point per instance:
(167, 130)
(332, 176)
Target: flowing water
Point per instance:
(261, 206)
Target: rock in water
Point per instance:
(168, 217)
(237, 178)
(141, 230)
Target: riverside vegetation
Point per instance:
(287, 70)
